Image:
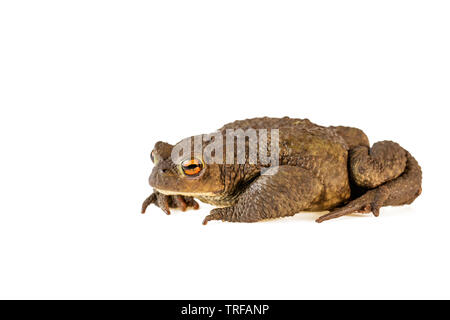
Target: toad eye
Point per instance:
(192, 167)
(153, 157)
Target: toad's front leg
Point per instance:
(284, 191)
(165, 202)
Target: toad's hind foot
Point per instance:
(371, 201)
(401, 190)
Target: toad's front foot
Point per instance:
(230, 214)
(218, 214)
(166, 202)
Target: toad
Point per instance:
(317, 168)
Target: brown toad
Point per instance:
(317, 168)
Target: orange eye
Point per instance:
(192, 167)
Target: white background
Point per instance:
(88, 87)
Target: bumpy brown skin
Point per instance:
(320, 168)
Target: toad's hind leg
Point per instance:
(391, 174)
(283, 191)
